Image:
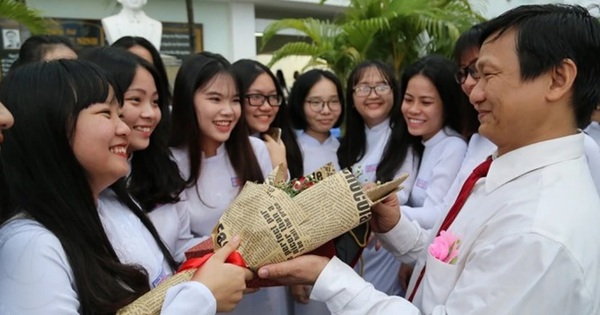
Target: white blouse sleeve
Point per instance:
(186, 239)
(35, 275)
(410, 167)
(443, 173)
(190, 297)
(262, 155)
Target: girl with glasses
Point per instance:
(264, 108)
(317, 106)
(216, 155)
(376, 141)
(57, 254)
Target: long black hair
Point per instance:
(154, 177)
(247, 71)
(195, 73)
(126, 42)
(440, 71)
(35, 47)
(354, 142)
(46, 181)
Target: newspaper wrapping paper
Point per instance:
(151, 302)
(275, 227)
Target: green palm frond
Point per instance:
(19, 12)
(296, 49)
(395, 31)
(318, 31)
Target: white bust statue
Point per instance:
(132, 21)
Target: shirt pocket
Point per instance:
(438, 282)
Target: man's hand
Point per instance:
(386, 214)
(300, 270)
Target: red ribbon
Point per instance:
(196, 263)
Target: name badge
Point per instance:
(422, 183)
(161, 277)
(371, 168)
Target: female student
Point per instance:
(44, 47)
(210, 142)
(264, 108)
(55, 254)
(316, 106)
(215, 154)
(377, 147)
(431, 106)
(144, 48)
(154, 181)
(6, 120)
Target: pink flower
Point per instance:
(445, 247)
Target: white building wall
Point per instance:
(229, 25)
(214, 16)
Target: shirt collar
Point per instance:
(312, 140)
(441, 135)
(379, 127)
(529, 158)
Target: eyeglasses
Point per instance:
(365, 90)
(259, 99)
(317, 106)
(462, 73)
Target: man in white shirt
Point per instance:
(132, 21)
(593, 129)
(527, 230)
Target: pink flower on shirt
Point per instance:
(445, 247)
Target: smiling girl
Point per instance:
(432, 101)
(216, 155)
(144, 48)
(154, 180)
(317, 106)
(377, 142)
(56, 253)
(265, 107)
(210, 140)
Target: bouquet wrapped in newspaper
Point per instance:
(276, 227)
(277, 222)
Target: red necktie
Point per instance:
(479, 172)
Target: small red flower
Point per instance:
(297, 185)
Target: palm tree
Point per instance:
(395, 31)
(20, 12)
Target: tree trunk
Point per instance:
(190, 15)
